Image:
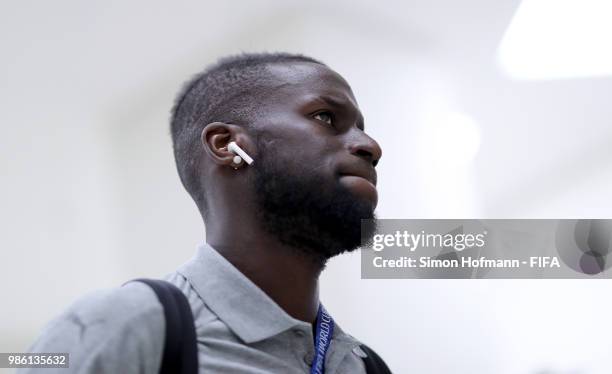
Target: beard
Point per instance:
(314, 214)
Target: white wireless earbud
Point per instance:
(240, 153)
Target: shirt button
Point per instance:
(308, 358)
(299, 333)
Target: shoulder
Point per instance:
(116, 310)
(120, 329)
(116, 305)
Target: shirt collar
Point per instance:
(235, 299)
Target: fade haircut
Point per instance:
(227, 91)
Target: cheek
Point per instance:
(311, 157)
(300, 146)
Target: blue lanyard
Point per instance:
(323, 337)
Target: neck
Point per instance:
(288, 277)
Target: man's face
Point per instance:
(314, 174)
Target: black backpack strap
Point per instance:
(180, 354)
(373, 363)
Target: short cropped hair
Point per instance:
(226, 91)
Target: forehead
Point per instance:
(301, 79)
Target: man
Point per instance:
(270, 226)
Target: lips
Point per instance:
(360, 179)
(367, 173)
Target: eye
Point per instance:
(326, 117)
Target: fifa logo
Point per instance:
(584, 245)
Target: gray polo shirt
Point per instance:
(239, 328)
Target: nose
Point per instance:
(367, 148)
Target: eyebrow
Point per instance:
(342, 103)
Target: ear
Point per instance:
(215, 137)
